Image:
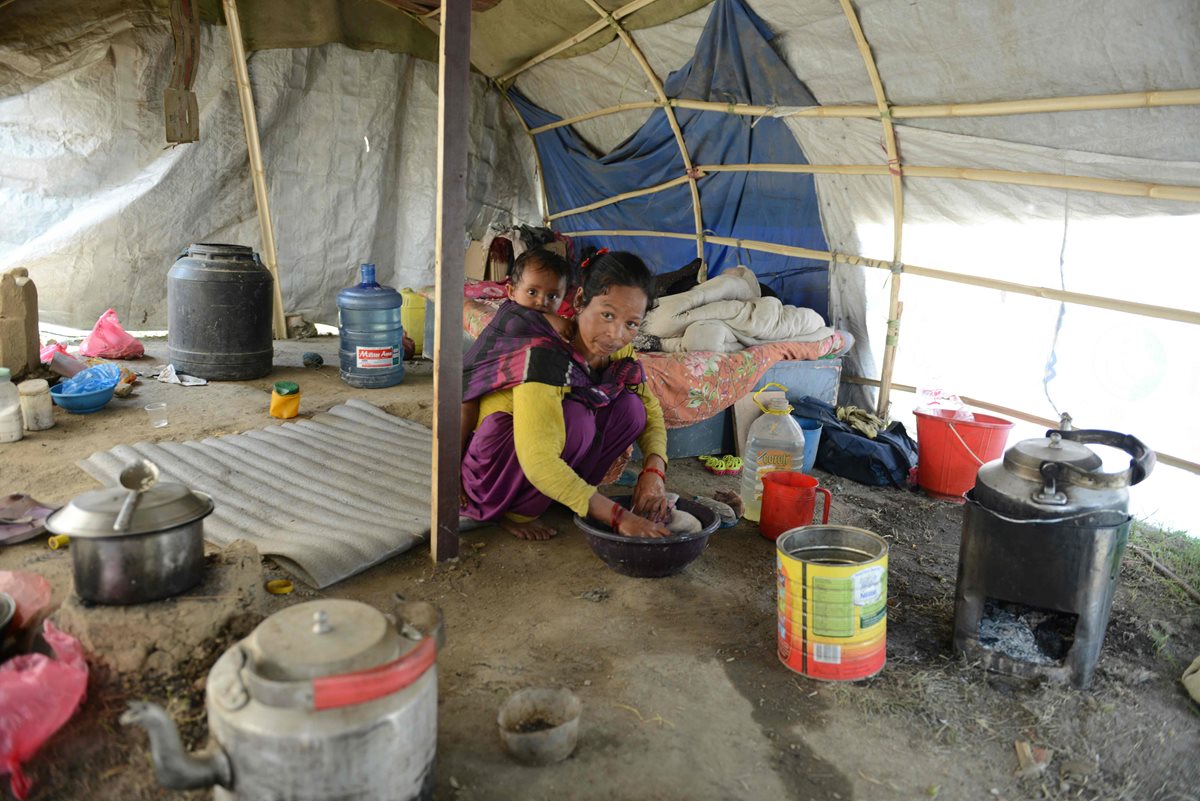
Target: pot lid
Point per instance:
(1030, 454)
(323, 638)
(159, 508)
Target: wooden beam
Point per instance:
(1037, 420)
(454, 103)
(258, 174)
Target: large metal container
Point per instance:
(371, 334)
(219, 306)
(159, 553)
(324, 701)
(1044, 532)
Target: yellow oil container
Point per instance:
(412, 317)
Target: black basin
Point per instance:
(647, 557)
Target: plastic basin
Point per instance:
(649, 557)
(540, 725)
(84, 403)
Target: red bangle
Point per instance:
(655, 471)
(615, 516)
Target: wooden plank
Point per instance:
(258, 174)
(454, 102)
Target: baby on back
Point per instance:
(538, 280)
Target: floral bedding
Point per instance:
(696, 386)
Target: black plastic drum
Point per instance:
(219, 313)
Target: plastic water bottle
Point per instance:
(12, 427)
(371, 350)
(775, 442)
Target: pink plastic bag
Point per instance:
(108, 340)
(31, 592)
(46, 354)
(37, 696)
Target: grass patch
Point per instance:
(1174, 549)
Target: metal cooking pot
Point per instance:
(159, 554)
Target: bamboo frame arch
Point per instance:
(886, 113)
(657, 85)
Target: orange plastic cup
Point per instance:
(789, 501)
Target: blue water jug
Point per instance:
(372, 339)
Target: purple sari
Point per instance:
(602, 417)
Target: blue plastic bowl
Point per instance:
(85, 403)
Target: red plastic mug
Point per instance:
(788, 502)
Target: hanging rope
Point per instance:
(1050, 372)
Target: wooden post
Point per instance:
(258, 174)
(454, 102)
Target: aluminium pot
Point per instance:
(159, 553)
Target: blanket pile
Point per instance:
(728, 313)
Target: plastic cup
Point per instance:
(158, 414)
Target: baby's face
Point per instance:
(538, 289)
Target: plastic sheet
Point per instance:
(93, 379)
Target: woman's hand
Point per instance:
(635, 526)
(650, 494)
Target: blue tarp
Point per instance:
(733, 63)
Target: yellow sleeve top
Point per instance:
(540, 435)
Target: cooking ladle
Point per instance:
(137, 478)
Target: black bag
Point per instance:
(845, 452)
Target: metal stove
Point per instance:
(1043, 536)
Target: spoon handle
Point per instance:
(123, 516)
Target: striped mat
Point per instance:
(329, 497)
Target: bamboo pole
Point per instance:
(1164, 458)
(584, 35)
(1106, 186)
(893, 159)
(657, 85)
(999, 108)
(591, 115)
(1078, 298)
(258, 173)
(650, 190)
(1103, 102)
(1080, 183)
(1043, 180)
(537, 158)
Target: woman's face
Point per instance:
(610, 321)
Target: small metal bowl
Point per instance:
(650, 557)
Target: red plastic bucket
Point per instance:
(789, 501)
(950, 452)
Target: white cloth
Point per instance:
(729, 313)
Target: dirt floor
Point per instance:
(683, 694)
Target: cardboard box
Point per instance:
(476, 266)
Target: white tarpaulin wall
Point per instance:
(98, 208)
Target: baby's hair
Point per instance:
(618, 268)
(540, 259)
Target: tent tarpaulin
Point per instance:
(733, 62)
